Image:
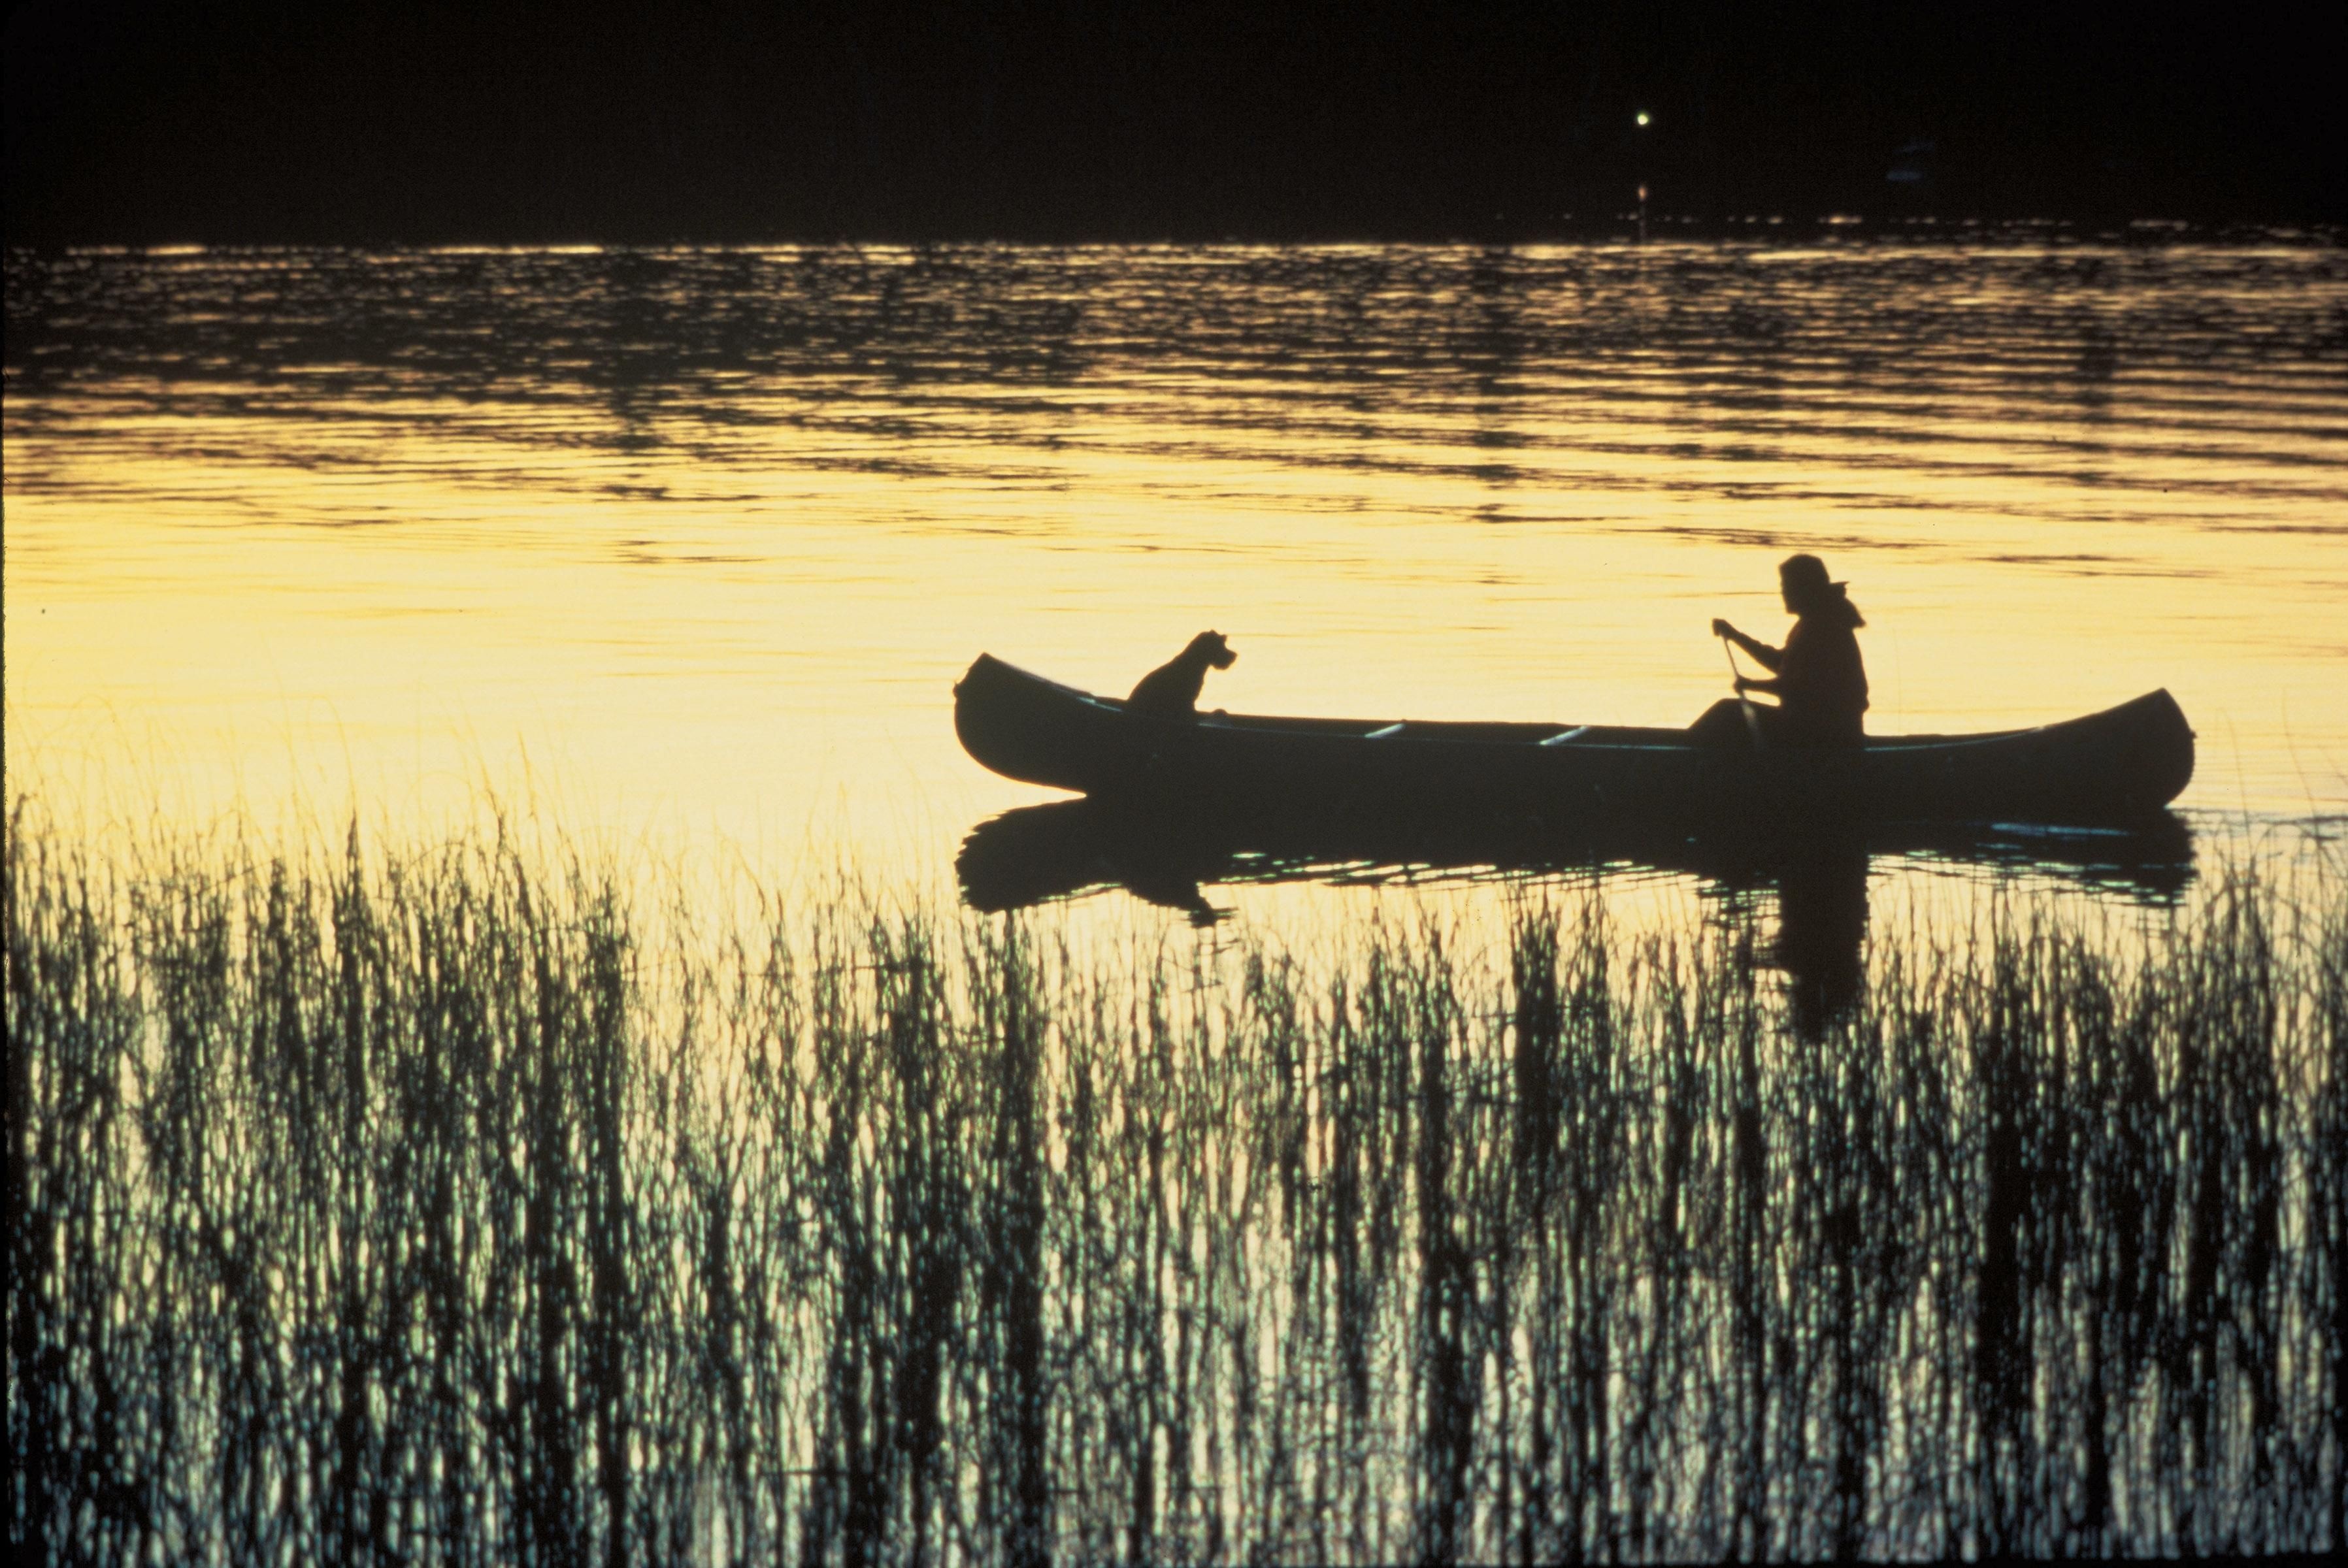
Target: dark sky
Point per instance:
(153, 120)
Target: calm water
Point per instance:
(702, 539)
(542, 1228)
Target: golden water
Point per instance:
(427, 1176)
(697, 541)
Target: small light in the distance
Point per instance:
(1642, 116)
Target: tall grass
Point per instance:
(444, 1206)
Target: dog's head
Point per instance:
(1209, 648)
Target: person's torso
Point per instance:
(1823, 668)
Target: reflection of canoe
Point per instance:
(1042, 853)
(1039, 854)
(2124, 763)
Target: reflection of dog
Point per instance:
(1172, 691)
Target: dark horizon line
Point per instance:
(1502, 230)
(271, 121)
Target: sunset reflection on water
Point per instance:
(703, 537)
(693, 1069)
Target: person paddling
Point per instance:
(1817, 678)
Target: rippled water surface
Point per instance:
(1948, 1192)
(707, 536)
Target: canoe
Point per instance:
(2123, 764)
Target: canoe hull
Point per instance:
(2122, 765)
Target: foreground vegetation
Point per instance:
(444, 1206)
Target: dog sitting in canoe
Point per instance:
(1172, 691)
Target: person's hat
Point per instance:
(1807, 568)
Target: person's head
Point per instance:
(1807, 590)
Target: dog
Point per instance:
(1172, 691)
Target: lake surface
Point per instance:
(698, 540)
(445, 1203)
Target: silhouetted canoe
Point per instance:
(2119, 766)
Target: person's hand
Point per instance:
(1721, 629)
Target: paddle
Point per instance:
(1752, 717)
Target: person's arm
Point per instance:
(1768, 658)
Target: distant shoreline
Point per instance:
(1563, 228)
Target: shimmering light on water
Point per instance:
(818, 1223)
(705, 537)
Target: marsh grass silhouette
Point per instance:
(441, 1206)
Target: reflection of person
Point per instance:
(1817, 677)
(1821, 930)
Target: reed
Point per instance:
(445, 1206)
